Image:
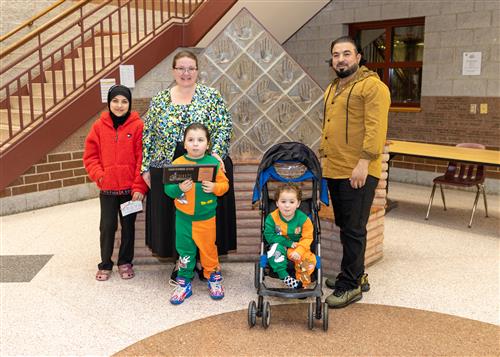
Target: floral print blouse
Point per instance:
(165, 123)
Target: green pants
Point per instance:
(189, 237)
(276, 256)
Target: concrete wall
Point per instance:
(451, 28)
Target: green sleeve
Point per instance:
(271, 236)
(172, 190)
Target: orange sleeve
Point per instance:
(221, 183)
(304, 244)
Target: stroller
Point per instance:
(289, 162)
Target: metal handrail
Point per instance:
(92, 45)
(30, 21)
(44, 27)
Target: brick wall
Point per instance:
(446, 120)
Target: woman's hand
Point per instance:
(146, 176)
(185, 186)
(221, 162)
(207, 186)
(137, 196)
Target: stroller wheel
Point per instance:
(310, 316)
(318, 308)
(260, 306)
(266, 315)
(256, 280)
(252, 313)
(325, 316)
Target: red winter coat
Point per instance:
(115, 155)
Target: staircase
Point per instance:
(52, 88)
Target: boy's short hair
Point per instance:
(197, 126)
(289, 186)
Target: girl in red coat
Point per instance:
(113, 158)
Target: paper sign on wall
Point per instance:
(127, 76)
(471, 65)
(106, 83)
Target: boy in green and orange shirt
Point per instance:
(289, 233)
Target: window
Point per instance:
(394, 49)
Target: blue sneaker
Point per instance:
(182, 290)
(215, 286)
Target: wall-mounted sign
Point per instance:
(127, 76)
(106, 83)
(471, 65)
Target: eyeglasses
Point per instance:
(182, 70)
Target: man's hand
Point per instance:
(359, 174)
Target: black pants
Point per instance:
(351, 208)
(110, 211)
(160, 215)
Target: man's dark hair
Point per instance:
(344, 39)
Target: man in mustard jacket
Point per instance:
(354, 133)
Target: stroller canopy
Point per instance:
(289, 152)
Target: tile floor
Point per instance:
(437, 265)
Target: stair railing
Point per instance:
(102, 35)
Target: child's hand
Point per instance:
(137, 196)
(185, 186)
(295, 256)
(294, 245)
(208, 186)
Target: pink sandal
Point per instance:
(102, 275)
(126, 271)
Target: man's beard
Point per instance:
(347, 72)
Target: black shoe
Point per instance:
(173, 274)
(341, 298)
(362, 281)
(199, 270)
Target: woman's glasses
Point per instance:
(182, 70)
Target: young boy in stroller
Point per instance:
(289, 233)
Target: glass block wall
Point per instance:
(270, 96)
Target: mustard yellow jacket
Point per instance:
(355, 125)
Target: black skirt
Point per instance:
(160, 216)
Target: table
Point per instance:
(442, 152)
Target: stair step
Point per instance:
(15, 117)
(68, 76)
(99, 52)
(25, 101)
(98, 56)
(78, 64)
(116, 40)
(36, 89)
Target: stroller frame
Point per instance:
(310, 206)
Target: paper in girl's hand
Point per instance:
(130, 207)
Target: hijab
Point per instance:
(113, 92)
